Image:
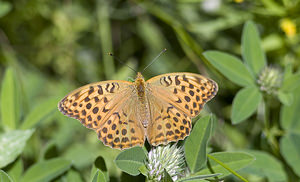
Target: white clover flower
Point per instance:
(167, 157)
(270, 79)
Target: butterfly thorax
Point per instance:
(140, 85)
(143, 106)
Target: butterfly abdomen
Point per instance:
(143, 107)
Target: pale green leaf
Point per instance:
(245, 103)
(231, 67)
(12, 145)
(252, 52)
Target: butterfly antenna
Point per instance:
(163, 51)
(111, 54)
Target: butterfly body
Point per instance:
(125, 113)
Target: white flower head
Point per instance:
(170, 158)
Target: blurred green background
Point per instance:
(53, 47)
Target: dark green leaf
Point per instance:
(46, 170)
(195, 145)
(12, 145)
(252, 52)
(131, 160)
(245, 103)
(231, 67)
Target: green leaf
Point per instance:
(4, 177)
(41, 111)
(73, 176)
(291, 82)
(266, 165)
(245, 103)
(9, 103)
(290, 115)
(231, 67)
(46, 170)
(16, 170)
(234, 160)
(100, 165)
(131, 160)
(99, 176)
(195, 145)
(285, 98)
(144, 170)
(252, 52)
(290, 150)
(197, 178)
(167, 177)
(12, 145)
(104, 28)
(5, 7)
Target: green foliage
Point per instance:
(265, 165)
(131, 160)
(48, 48)
(12, 145)
(231, 67)
(9, 103)
(252, 52)
(232, 160)
(196, 143)
(5, 177)
(46, 170)
(245, 103)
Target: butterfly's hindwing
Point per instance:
(167, 123)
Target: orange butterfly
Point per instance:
(124, 113)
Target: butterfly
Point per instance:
(125, 113)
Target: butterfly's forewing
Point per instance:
(182, 96)
(104, 107)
